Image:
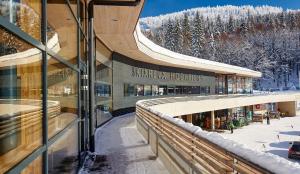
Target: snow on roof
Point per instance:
(159, 53)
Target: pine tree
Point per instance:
(177, 35)
(198, 38)
(230, 25)
(168, 35)
(186, 36)
(219, 25)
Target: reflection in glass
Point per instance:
(103, 85)
(129, 90)
(62, 96)
(20, 100)
(62, 30)
(155, 91)
(140, 90)
(178, 90)
(24, 14)
(163, 90)
(171, 90)
(35, 167)
(147, 90)
(63, 154)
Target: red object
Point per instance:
(257, 106)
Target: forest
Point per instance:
(266, 39)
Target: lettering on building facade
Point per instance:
(162, 75)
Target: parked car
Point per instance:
(294, 150)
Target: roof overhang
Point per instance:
(117, 27)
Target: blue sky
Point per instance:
(157, 7)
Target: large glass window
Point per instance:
(62, 96)
(155, 90)
(205, 90)
(129, 90)
(24, 14)
(140, 90)
(102, 90)
(20, 100)
(63, 154)
(230, 82)
(163, 90)
(249, 85)
(239, 85)
(103, 86)
(178, 90)
(147, 90)
(62, 30)
(195, 90)
(171, 90)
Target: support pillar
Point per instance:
(212, 120)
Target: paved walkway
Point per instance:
(124, 150)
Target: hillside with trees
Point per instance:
(266, 39)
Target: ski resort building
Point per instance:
(67, 67)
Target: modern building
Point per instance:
(68, 66)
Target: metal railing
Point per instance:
(204, 155)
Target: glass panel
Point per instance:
(24, 14)
(140, 90)
(196, 90)
(178, 90)
(62, 96)
(163, 90)
(35, 167)
(20, 100)
(147, 90)
(62, 30)
(249, 87)
(155, 91)
(230, 84)
(171, 90)
(103, 102)
(239, 85)
(103, 83)
(63, 154)
(129, 90)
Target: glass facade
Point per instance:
(231, 84)
(39, 85)
(103, 84)
(20, 100)
(131, 90)
(43, 85)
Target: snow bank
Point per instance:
(269, 161)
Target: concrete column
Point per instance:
(212, 120)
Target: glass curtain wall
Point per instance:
(39, 88)
(103, 83)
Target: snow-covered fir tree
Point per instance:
(262, 38)
(198, 38)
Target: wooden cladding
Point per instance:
(204, 155)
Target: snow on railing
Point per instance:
(267, 161)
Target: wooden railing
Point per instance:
(205, 156)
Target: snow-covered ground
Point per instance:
(124, 150)
(273, 138)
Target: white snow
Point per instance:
(126, 151)
(238, 12)
(159, 52)
(264, 138)
(269, 161)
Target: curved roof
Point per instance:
(117, 27)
